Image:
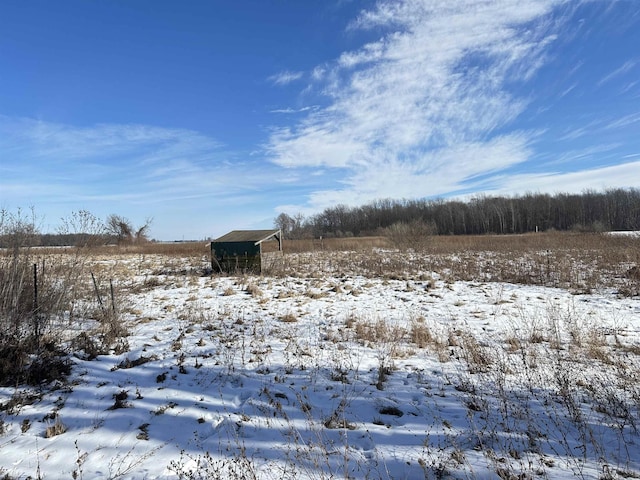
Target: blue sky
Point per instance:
(209, 116)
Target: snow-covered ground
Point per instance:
(336, 376)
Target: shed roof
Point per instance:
(256, 236)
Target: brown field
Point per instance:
(570, 260)
(581, 261)
(620, 246)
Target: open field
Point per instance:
(510, 357)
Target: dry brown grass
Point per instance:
(289, 318)
(449, 244)
(253, 290)
(421, 335)
(58, 428)
(331, 244)
(152, 248)
(149, 248)
(375, 332)
(578, 261)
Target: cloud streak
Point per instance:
(620, 176)
(285, 78)
(628, 65)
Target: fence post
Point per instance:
(95, 287)
(36, 320)
(113, 300)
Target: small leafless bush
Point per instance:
(205, 466)
(18, 366)
(120, 400)
(91, 345)
(477, 357)
(630, 286)
(414, 235)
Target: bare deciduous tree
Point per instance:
(592, 211)
(291, 226)
(123, 230)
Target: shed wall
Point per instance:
(235, 256)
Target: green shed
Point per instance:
(241, 250)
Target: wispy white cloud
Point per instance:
(567, 90)
(49, 163)
(624, 68)
(318, 73)
(582, 156)
(615, 176)
(286, 77)
(624, 121)
(629, 87)
(417, 112)
(66, 143)
(597, 126)
(574, 132)
(294, 110)
(433, 173)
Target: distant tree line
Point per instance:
(81, 228)
(614, 209)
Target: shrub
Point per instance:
(38, 292)
(414, 235)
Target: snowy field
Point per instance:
(326, 374)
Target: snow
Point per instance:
(626, 233)
(344, 376)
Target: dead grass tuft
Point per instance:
(289, 318)
(376, 333)
(421, 335)
(58, 428)
(253, 290)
